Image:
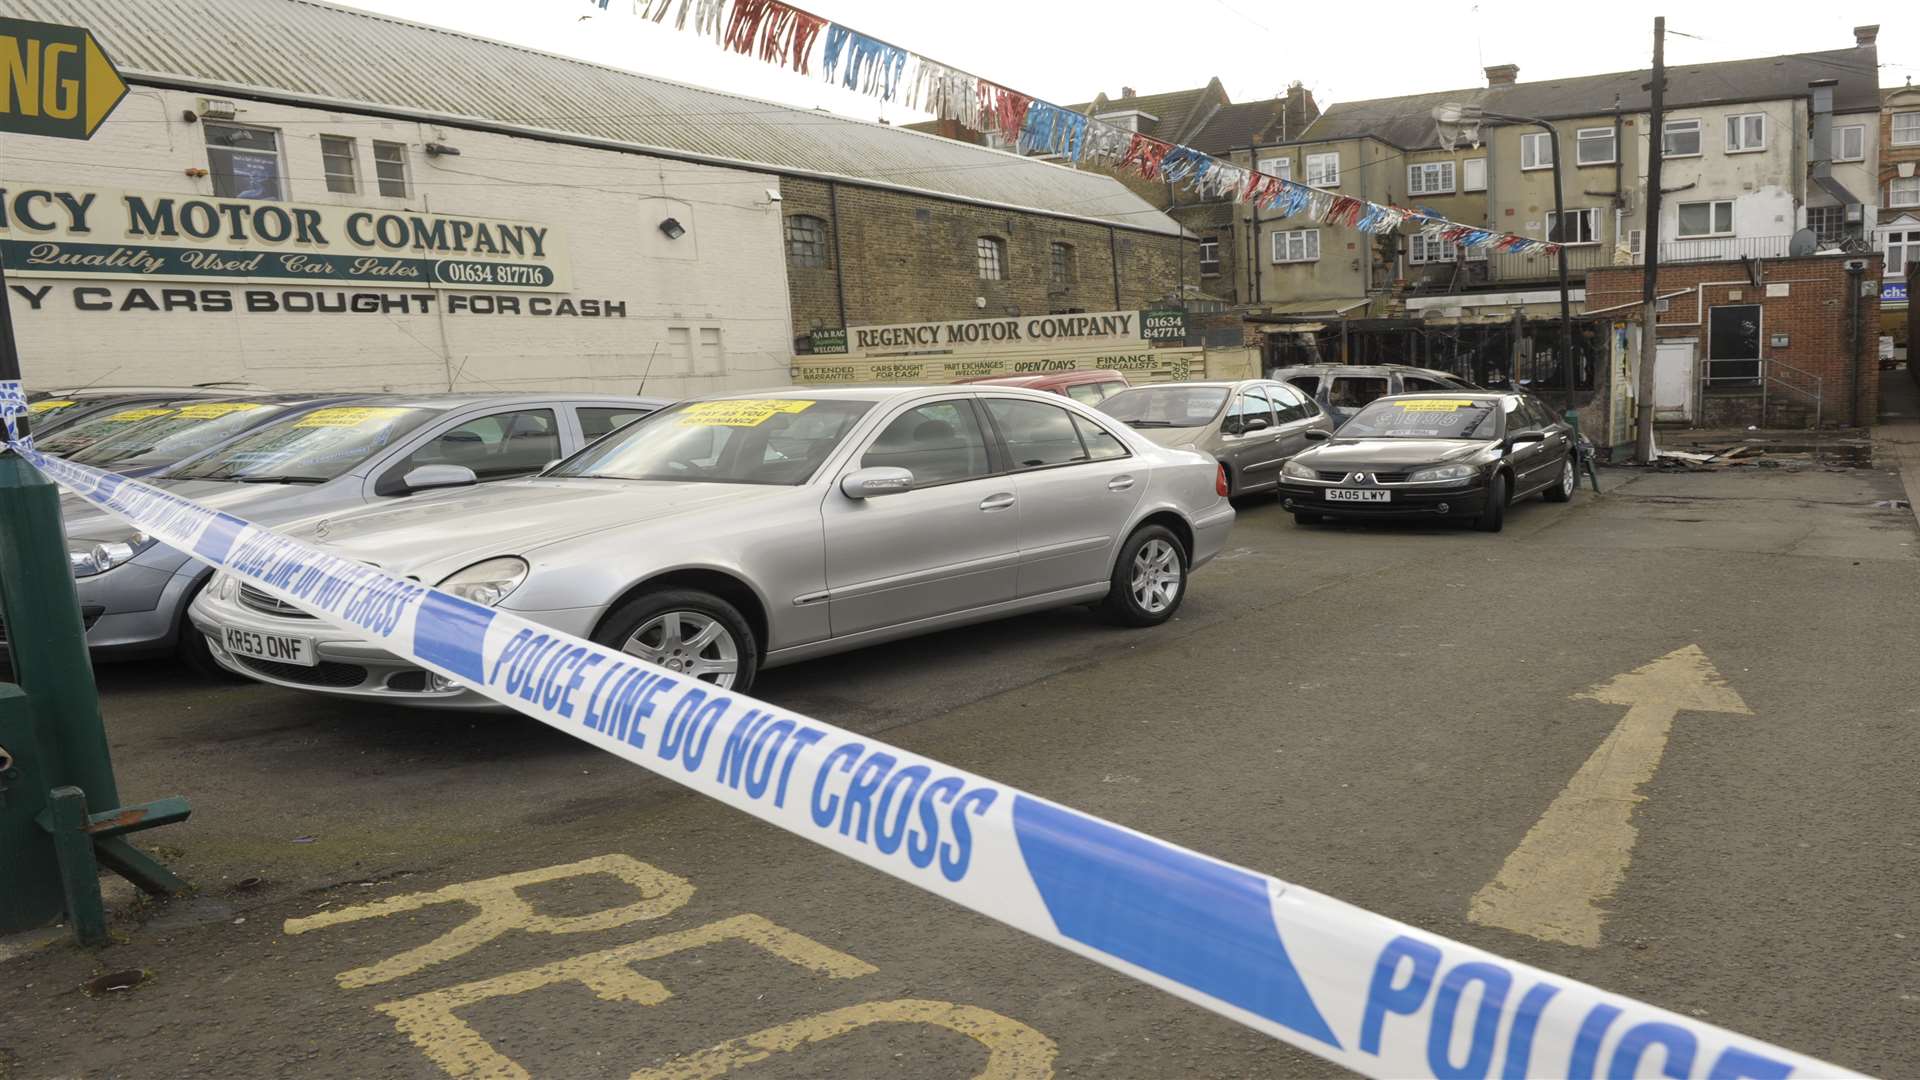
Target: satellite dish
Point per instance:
(1803, 243)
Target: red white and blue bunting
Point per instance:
(786, 36)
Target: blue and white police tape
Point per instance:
(13, 405)
(1374, 995)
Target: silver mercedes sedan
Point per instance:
(724, 536)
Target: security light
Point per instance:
(673, 229)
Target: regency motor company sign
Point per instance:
(99, 233)
(1092, 329)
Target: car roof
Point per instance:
(1223, 383)
(1362, 369)
(1454, 395)
(237, 390)
(1030, 379)
(460, 399)
(873, 392)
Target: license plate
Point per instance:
(1359, 495)
(279, 648)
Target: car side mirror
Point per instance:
(428, 477)
(1317, 434)
(1520, 437)
(877, 481)
(1255, 423)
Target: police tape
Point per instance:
(1374, 995)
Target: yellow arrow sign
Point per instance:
(55, 80)
(1576, 855)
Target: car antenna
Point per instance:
(99, 380)
(649, 371)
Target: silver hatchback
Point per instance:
(1253, 425)
(725, 536)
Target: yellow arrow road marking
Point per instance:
(1576, 855)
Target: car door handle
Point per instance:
(1120, 483)
(1000, 501)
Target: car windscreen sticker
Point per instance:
(38, 407)
(213, 410)
(744, 412)
(130, 415)
(1433, 405)
(347, 417)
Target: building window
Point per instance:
(1431, 178)
(1424, 248)
(1850, 143)
(1746, 133)
(1536, 150)
(1594, 146)
(806, 240)
(1476, 174)
(390, 168)
(1906, 129)
(1323, 170)
(244, 161)
(1904, 192)
(1298, 245)
(337, 161)
(1060, 269)
(1902, 248)
(1827, 223)
(990, 258)
(1209, 256)
(1680, 138)
(1706, 218)
(1281, 167)
(1580, 227)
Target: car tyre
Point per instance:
(686, 630)
(1301, 517)
(1149, 579)
(193, 650)
(1562, 490)
(1494, 514)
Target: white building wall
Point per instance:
(727, 273)
(1861, 178)
(1767, 187)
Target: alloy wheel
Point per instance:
(1157, 576)
(690, 642)
(1567, 479)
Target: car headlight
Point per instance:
(88, 557)
(1293, 470)
(1441, 472)
(487, 582)
(223, 586)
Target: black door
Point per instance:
(1733, 344)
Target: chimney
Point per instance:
(1126, 93)
(1502, 74)
(1864, 36)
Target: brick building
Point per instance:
(1781, 343)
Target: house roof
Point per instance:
(1235, 127)
(316, 52)
(1176, 111)
(1407, 122)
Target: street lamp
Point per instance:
(1453, 122)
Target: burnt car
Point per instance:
(1459, 456)
(1345, 389)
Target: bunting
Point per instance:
(786, 36)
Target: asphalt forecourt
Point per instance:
(1371, 994)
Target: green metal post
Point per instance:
(66, 821)
(31, 895)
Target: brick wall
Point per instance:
(909, 258)
(1814, 315)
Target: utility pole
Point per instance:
(1650, 248)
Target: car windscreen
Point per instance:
(737, 441)
(310, 448)
(189, 428)
(85, 432)
(1166, 406)
(42, 410)
(1424, 418)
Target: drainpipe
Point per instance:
(1113, 257)
(1856, 270)
(839, 282)
(1254, 296)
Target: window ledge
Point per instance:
(1670, 157)
(1595, 164)
(1748, 150)
(1536, 168)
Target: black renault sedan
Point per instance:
(1464, 456)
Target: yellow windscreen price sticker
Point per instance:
(347, 417)
(131, 415)
(43, 406)
(213, 410)
(1432, 405)
(744, 412)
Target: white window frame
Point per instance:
(1903, 191)
(1587, 135)
(1737, 133)
(1910, 121)
(1210, 243)
(1536, 150)
(1859, 132)
(278, 154)
(1592, 216)
(340, 183)
(1318, 164)
(1905, 241)
(1469, 168)
(990, 253)
(1424, 249)
(381, 180)
(1281, 167)
(1444, 172)
(1712, 214)
(1692, 124)
(1285, 241)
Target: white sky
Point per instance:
(1065, 52)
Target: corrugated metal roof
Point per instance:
(316, 50)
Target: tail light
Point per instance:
(1220, 482)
